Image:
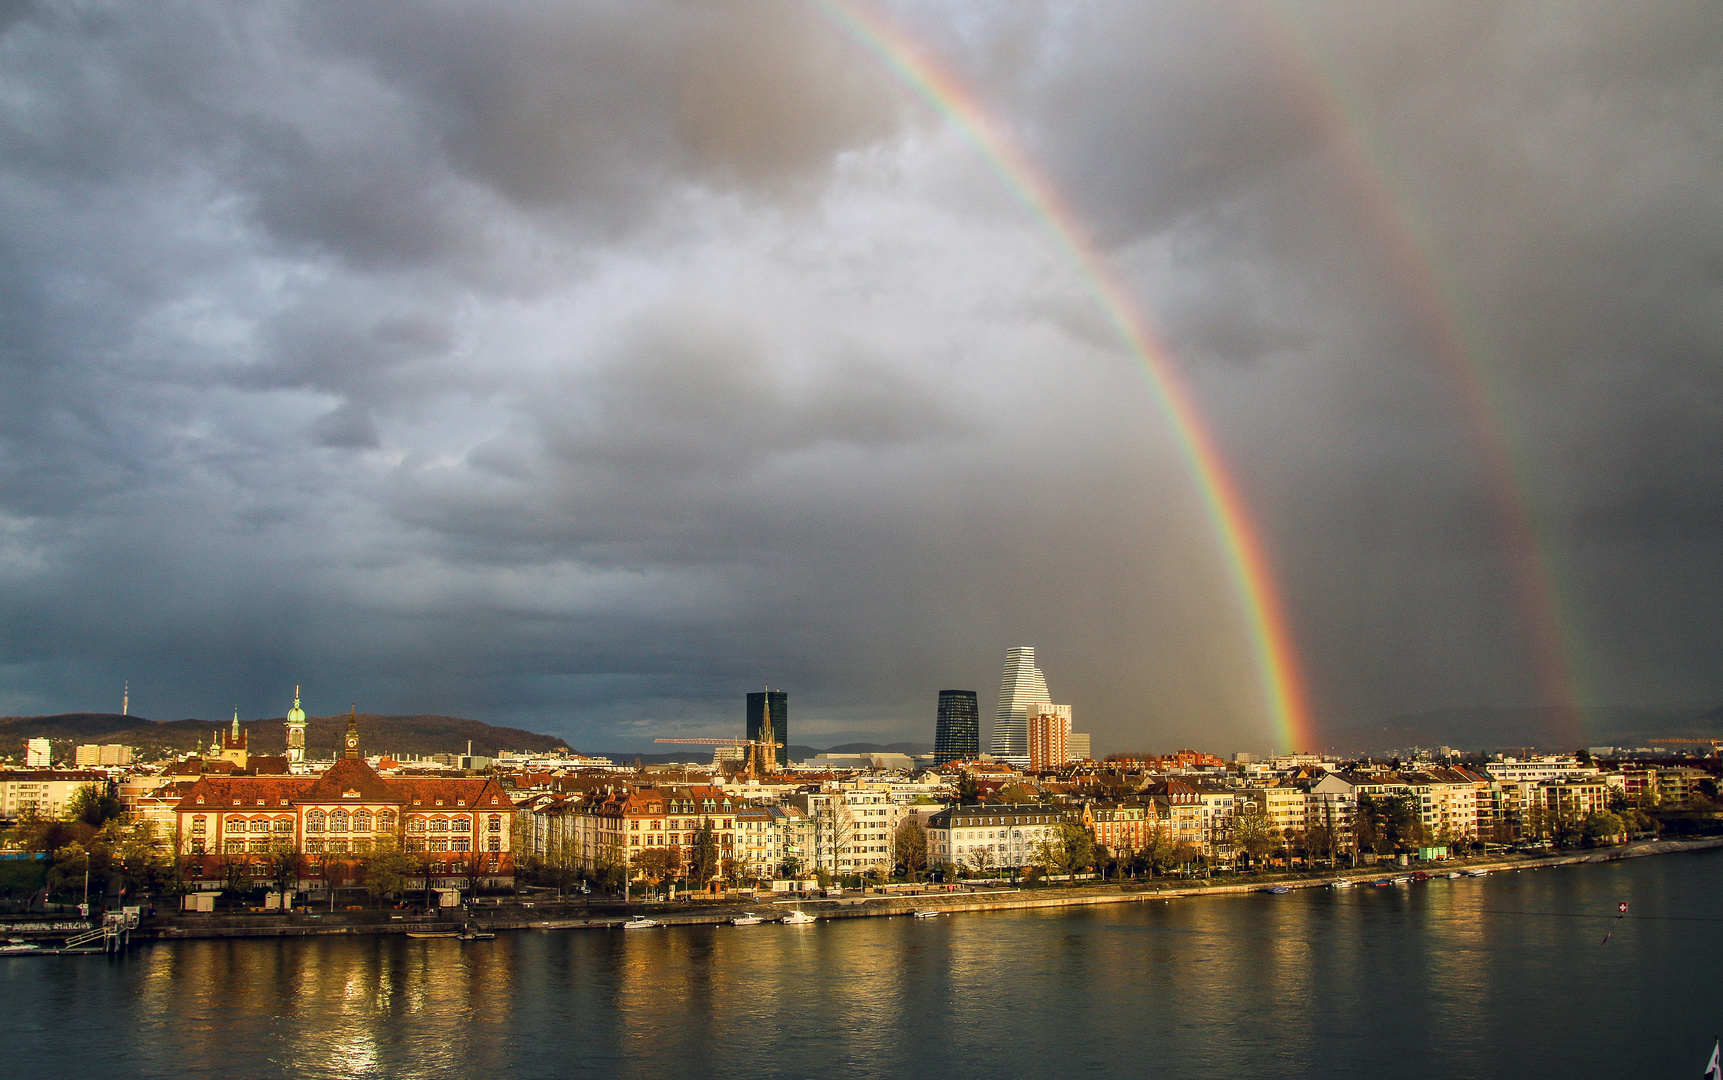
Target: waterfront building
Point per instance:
(997, 836)
(957, 730)
(1122, 827)
(1021, 687)
(771, 840)
(1049, 736)
(456, 829)
(853, 827)
(769, 721)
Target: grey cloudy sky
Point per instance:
(583, 365)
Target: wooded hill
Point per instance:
(323, 734)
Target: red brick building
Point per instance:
(457, 829)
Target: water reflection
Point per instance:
(1450, 979)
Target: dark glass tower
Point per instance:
(780, 703)
(958, 736)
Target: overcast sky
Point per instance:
(584, 366)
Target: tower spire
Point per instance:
(295, 731)
(353, 730)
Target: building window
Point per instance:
(362, 821)
(315, 847)
(496, 823)
(495, 843)
(415, 845)
(460, 843)
(197, 847)
(363, 847)
(260, 847)
(440, 844)
(283, 825)
(416, 825)
(260, 825)
(314, 821)
(233, 847)
(338, 847)
(385, 821)
(439, 824)
(460, 824)
(197, 826)
(338, 821)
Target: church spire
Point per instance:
(353, 731)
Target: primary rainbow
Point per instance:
(1247, 561)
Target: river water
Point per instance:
(1504, 976)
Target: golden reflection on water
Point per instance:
(1281, 984)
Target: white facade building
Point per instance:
(987, 837)
(1022, 688)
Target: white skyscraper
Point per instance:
(1023, 687)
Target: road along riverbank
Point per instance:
(181, 927)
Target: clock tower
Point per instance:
(352, 732)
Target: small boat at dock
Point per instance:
(747, 918)
(639, 922)
(797, 918)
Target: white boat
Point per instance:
(1403, 879)
(639, 922)
(1452, 874)
(1477, 873)
(797, 918)
(747, 918)
(928, 914)
(1340, 883)
(19, 947)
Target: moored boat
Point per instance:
(1340, 883)
(747, 918)
(797, 918)
(928, 914)
(1277, 890)
(639, 922)
(433, 933)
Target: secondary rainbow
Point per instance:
(1462, 350)
(1246, 559)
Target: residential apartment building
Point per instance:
(46, 793)
(981, 837)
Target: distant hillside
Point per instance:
(391, 734)
(1483, 727)
(911, 748)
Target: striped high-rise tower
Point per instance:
(1023, 687)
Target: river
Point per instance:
(1505, 976)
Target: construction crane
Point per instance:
(1712, 743)
(762, 753)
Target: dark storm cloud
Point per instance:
(583, 365)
